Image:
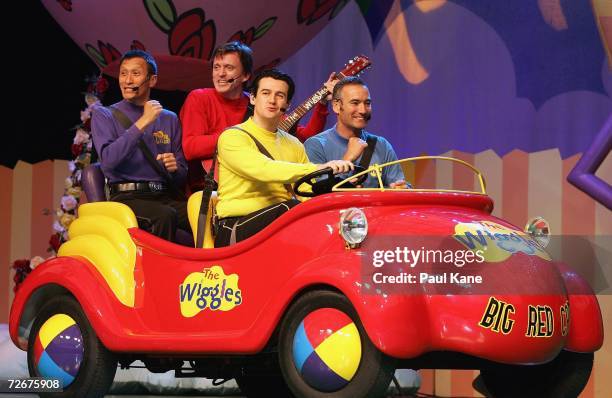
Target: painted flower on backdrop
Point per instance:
(66, 4)
(104, 55)
(310, 11)
(253, 33)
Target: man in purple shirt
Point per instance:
(117, 131)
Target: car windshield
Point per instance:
(426, 173)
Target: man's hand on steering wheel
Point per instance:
(324, 185)
(338, 166)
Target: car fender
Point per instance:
(65, 275)
(586, 324)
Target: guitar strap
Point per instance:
(265, 152)
(126, 123)
(211, 185)
(366, 157)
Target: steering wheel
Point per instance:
(325, 185)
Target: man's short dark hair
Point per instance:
(151, 64)
(244, 53)
(277, 75)
(347, 81)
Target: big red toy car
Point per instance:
(322, 301)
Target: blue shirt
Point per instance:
(329, 145)
(121, 158)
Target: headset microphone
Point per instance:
(283, 110)
(367, 117)
(233, 79)
(138, 87)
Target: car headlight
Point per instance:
(539, 229)
(353, 226)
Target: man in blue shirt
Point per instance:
(117, 131)
(347, 140)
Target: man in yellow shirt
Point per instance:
(253, 188)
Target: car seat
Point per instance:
(193, 213)
(93, 183)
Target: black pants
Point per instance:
(156, 212)
(231, 230)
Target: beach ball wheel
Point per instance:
(324, 350)
(62, 345)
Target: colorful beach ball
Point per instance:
(327, 349)
(58, 349)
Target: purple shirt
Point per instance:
(117, 148)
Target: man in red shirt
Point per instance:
(208, 111)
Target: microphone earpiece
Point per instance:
(367, 117)
(283, 110)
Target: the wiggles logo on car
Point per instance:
(210, 288)
(496, 241)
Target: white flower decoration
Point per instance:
(35, 261)
(91, 100)
(69, 202)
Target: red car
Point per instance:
(327, 301)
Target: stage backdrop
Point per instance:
(470, 75)
(448, 74)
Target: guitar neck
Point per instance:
(301, 110)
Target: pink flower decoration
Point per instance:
(80, 137)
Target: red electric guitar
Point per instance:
(353, 68)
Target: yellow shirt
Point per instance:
(249, 180)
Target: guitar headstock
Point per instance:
(355, 66)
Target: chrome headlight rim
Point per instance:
(353, 226)
(539, 229)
